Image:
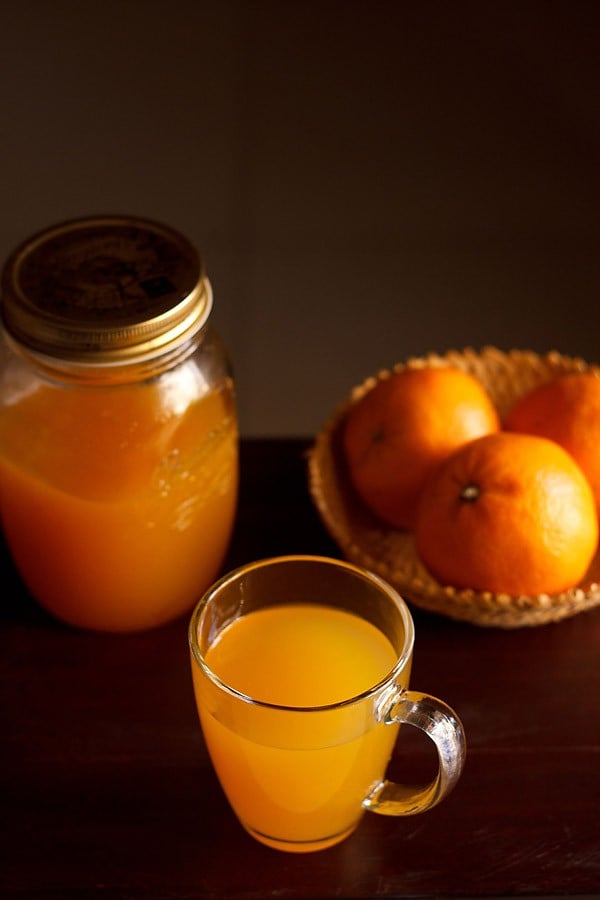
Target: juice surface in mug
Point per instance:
(307, 776)
(118, 503)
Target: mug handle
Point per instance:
(442, 725)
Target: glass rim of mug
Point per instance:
(403, 656)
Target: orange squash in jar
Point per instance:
(118, 426)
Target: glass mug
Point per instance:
(300, 668)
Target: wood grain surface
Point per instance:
(106, 789)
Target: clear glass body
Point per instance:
(301, 667)
(118, 484)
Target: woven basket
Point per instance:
(364, 540)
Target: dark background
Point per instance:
(366, 180)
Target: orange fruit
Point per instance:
(399, 431)
(508, 513)
(566, 410)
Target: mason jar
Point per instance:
(118, 425)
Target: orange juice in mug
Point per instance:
(301, 668)
(118, 430)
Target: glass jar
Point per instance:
(118, 427)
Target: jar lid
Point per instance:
(104, 290)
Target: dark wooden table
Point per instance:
(106, 789)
